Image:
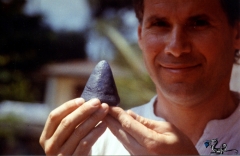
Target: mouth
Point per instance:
(179, 68)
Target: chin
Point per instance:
(182, 93)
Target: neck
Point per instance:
(190, 119)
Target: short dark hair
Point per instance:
(230, 7)
(139, 9)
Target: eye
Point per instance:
(160, 23)
(200, 23)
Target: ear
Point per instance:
(140, 36)
(237, 35)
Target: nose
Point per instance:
(177, 42)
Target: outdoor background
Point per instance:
(35, 34)
(48, 49)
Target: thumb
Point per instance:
(158, 126)
(151, 124)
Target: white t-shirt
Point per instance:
(226, 132)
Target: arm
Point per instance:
(71, 128)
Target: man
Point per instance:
(188, 48)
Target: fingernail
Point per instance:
(105, 107)
(95, 102)
(79, 101)
(129, 111)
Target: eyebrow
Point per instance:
(156, 18)
(191, 18)
(201, 16)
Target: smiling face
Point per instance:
(188, 47)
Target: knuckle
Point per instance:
(151, 145)
(79, 132)
(65, 123)
(50, 149)
(52, 116)
(144, 121)
(126, 124)
(84, 144)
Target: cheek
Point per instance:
(219, 59)
(151, 45)
(221, 54)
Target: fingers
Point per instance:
(118, 130)
(71, 121)
(125, 138)
(87, 142)
(159, 126)
(83, 131)
(127, 121)
(57, 115)
(148, 123)
(136, 129)
(164, 138)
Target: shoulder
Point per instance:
(147, 110)
(142, 108)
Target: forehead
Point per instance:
(183, 8)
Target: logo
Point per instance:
(221, 150)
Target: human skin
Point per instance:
(141, 136)
(184, 44)
(188, 47)
(71, 128)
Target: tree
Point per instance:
(25, 46)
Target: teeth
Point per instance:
(101, 85)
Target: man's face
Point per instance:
(188, 47)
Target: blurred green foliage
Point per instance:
(8, 131)
(26, 44)
(137, 88)
(9, 120)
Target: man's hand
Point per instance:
(71, 128)
(141, 136)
